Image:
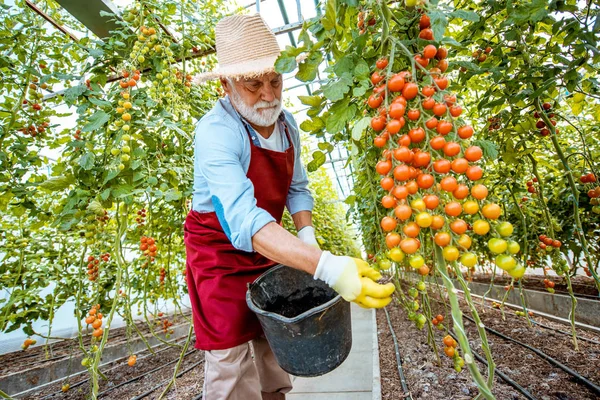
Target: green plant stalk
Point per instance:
(523, 303)
(182, 354)
(506, 292)
(541, 197)
(574, 192)
(459, 329)
(121, 230)
(572, 313)
(430, 333)
(480, 327)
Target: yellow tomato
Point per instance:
(481, 227)
(450, 253)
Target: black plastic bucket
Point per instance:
(306, 322)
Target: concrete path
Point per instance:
(355, 379)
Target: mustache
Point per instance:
(266, 104)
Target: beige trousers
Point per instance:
(231, 374)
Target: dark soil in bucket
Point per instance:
(298, 302)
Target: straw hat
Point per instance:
(246, 48)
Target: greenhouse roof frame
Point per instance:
(101, 27)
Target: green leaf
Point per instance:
(312, 125)
(318, 160)
(359, 128)
(285, 64)
(100, 103)
(104, 195)
(71, 94)
(336, 90)
(451, 41)
(122, 191)
(87, 161)
(309, 67)
(438, 24)
(96, 208)
(330, 16)
(326, 146)
(313, 101)
(58, 183)
(96, 121)
(340, 115)
(464, 15)
(172, 195)
(362, 69)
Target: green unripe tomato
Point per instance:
(517, 272)
(416, 261)
(513, 247)
(121, 167)
(505, 262)
(126, 149)
(114, 152)
(505, 229)
(497, 246)
(412, 292)
(421, 286)
(85, 362)
(468, 259)
(125, 157)
(126, 138)
(141, 59)
(385, 264)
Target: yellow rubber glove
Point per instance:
(354, 280)
(307, 235)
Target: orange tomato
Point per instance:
(442, 239)
(397, 110)
(421, 159)
(438, 222)
(480, 192)
(428, 103)
(396, 83)
(392, 240)
(410, 91)
(491, 211)
(453, 209)
(409, 245)
(444, 127)
(388, 202)
(388, 224)
(473, 153)
(425, 181)
(411, 229)
(383, 167)
(465, 132)
(431, 201)
(437, 142)
(442, 166)
(440, 109)
(460, 165)
(416, 135)
(412, 187)
(402, 173)
(428, 91)
(414, 114)
(387, 183)
(449, 184)
(461, 192)
(403, 212)
(458, 226)
(451, 149)
(400, 192)
(474, 172)
(429, 51)
(431, 123)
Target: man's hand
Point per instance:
(354, 280)
(307, 235)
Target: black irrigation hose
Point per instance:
(137, 378)
(565, 332)
(199, 397)
(501, 374)
(166, 347)
(593, 387)
(398, 359)
(185, 371)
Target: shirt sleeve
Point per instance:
(218, 157)
(299, 196)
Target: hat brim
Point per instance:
(247, 69)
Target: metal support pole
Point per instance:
(258, 6)
(52, 21)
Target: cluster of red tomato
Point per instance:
(33, 131)
(94, 318)
(429, 169)
(163, 274)
(541, 125)
(450, 350)
(148, 246)
(92, 266)
(530, 188)
(546, 242)
(141, 218)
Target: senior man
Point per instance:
(247, 168)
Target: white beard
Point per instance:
(263, 113)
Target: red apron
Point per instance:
(217, 273)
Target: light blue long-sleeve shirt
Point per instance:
(221, 162)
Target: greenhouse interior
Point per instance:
(299, 199)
